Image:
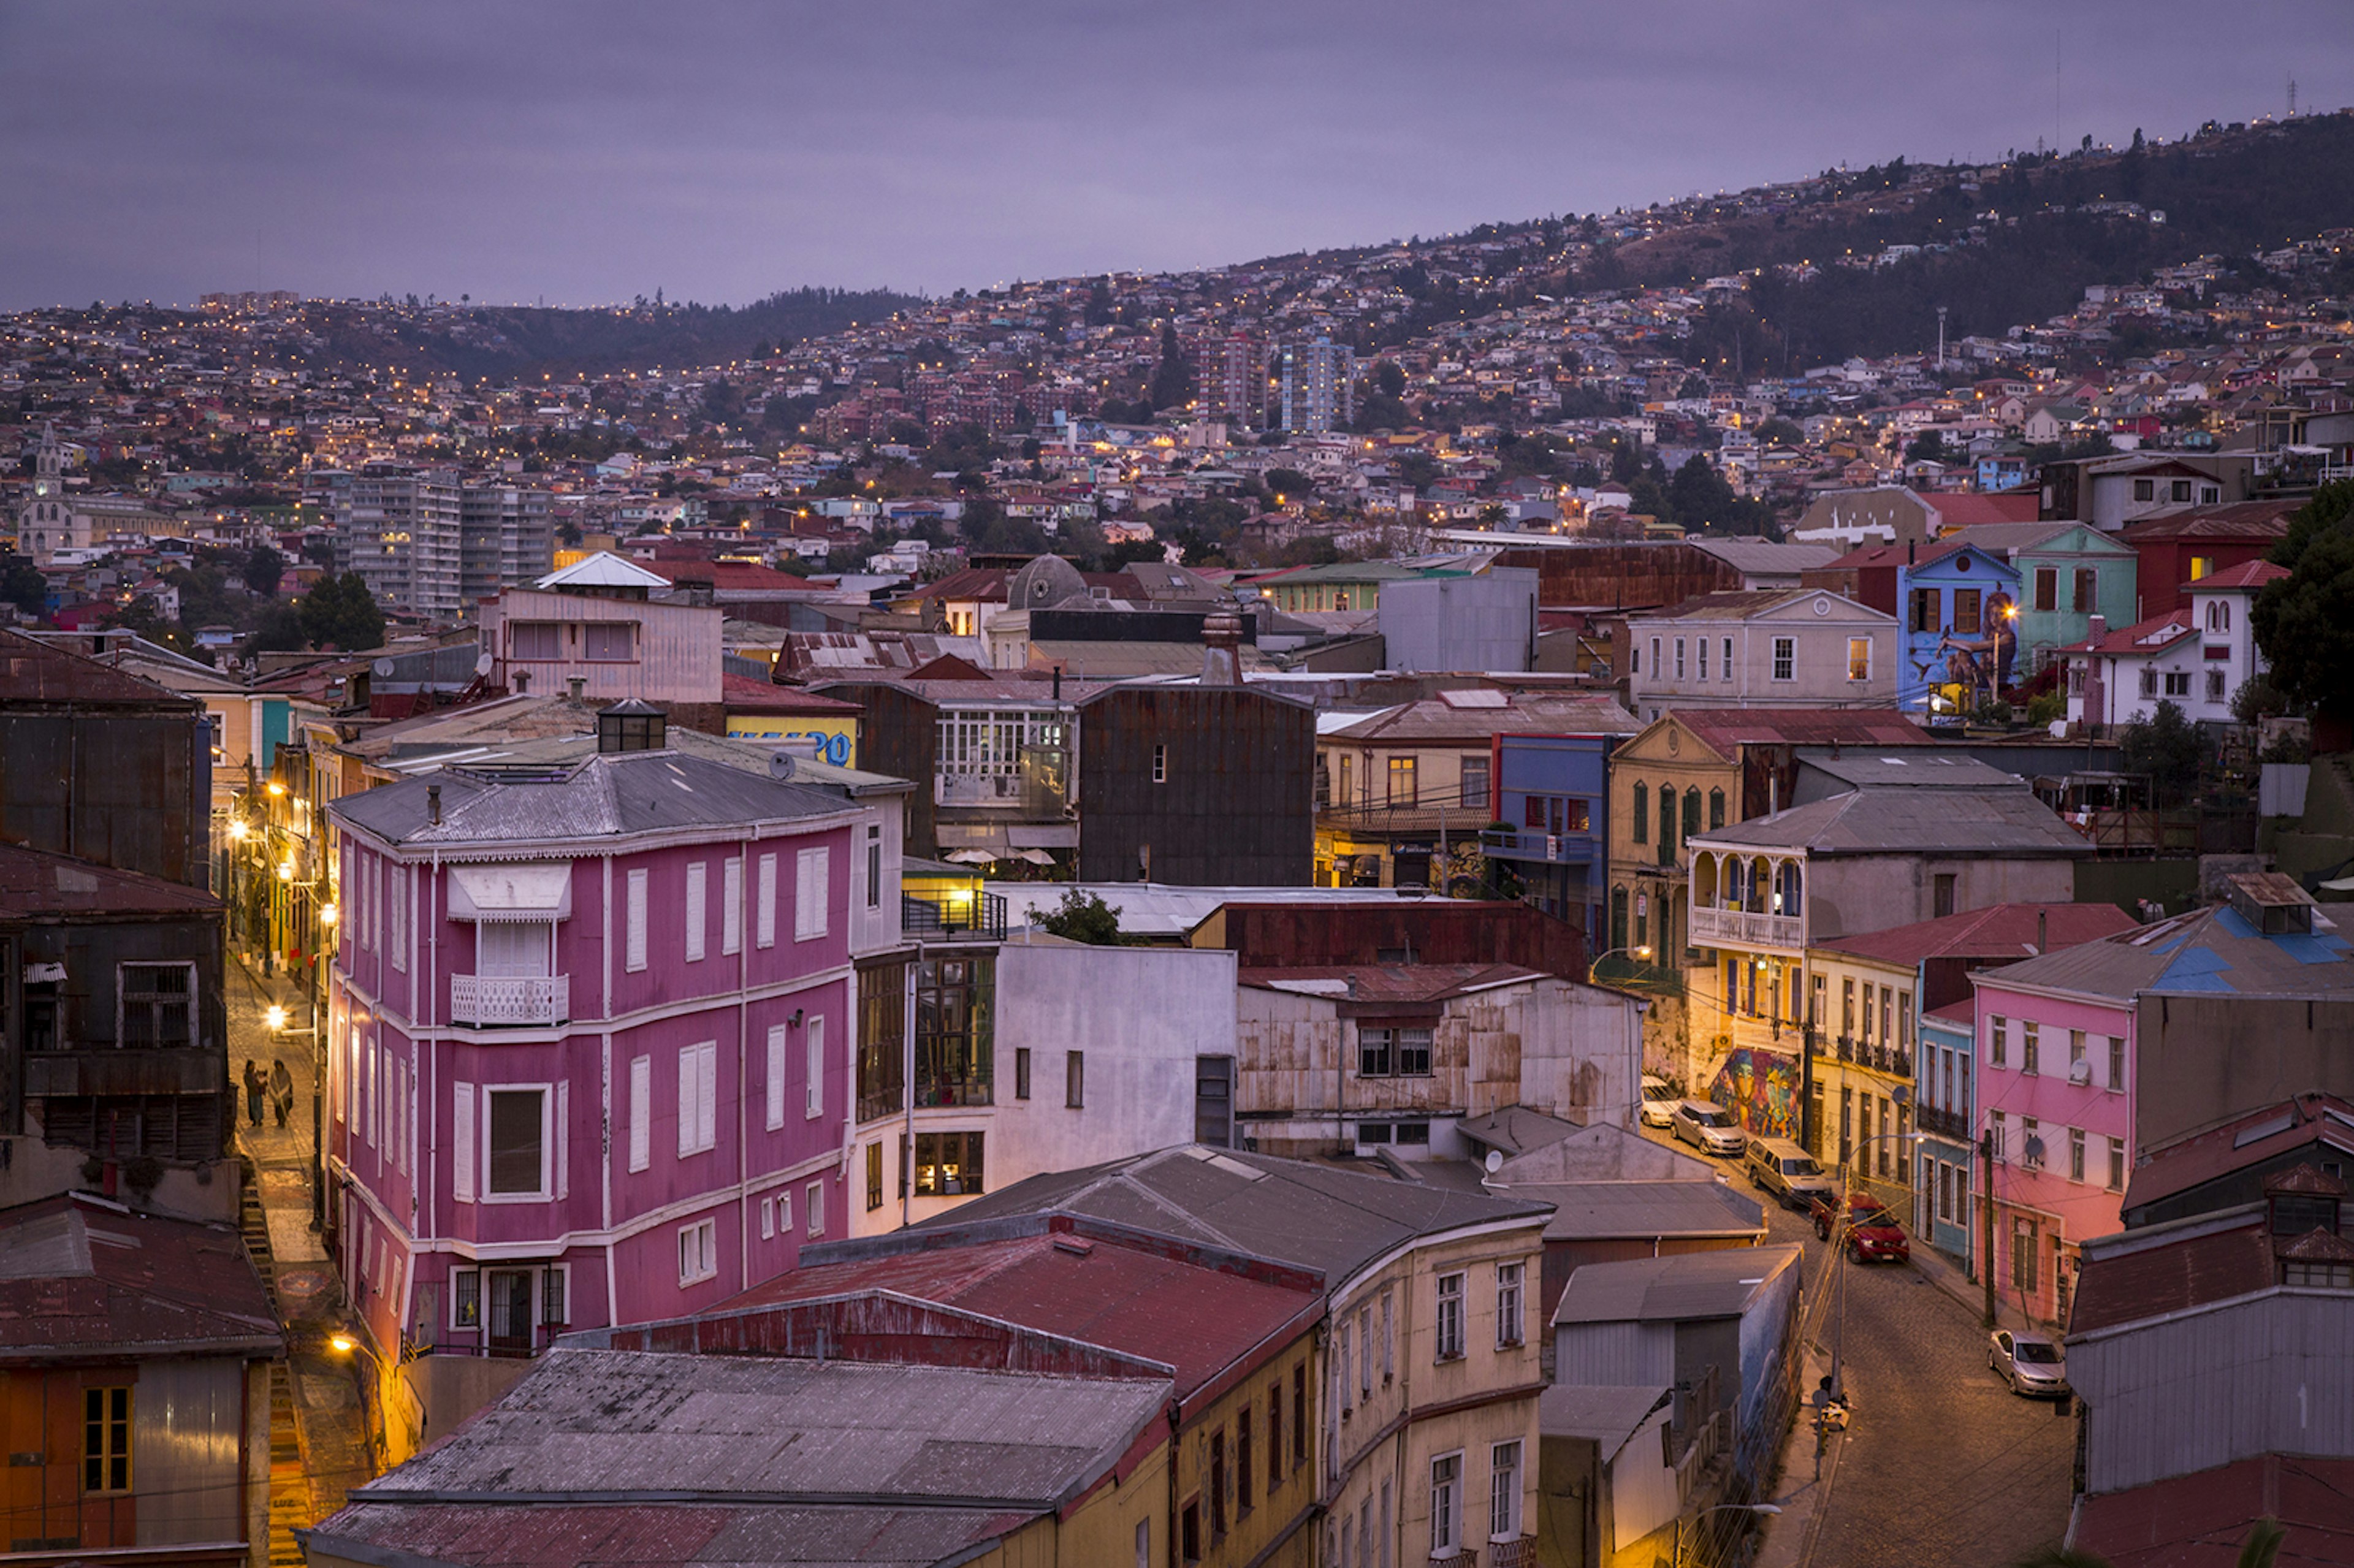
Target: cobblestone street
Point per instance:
(1942, 1467)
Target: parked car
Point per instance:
(1869, 1232)
(1658, 1103)
(2031, 1363)
(1778, 1166)
(1708, 1127)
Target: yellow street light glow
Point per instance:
(327, 914)
(285, 871)
(276, 788)
(342, 1344)
(277, 1018)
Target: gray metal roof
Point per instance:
(1921, 770)
(1760, 557)
(2213, 949)
(2004, 821)
(603, 796)
(617, 1426)
(1516, 1129)
(1681, 1288)
(1332, 1221)
(1605, 1415)
(1597, 1211)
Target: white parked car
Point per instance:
(1708, 1127)
(2031, 1363)
(1658, 1103)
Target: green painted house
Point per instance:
(2068, 573)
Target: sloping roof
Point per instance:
(1676, 1288)
(35, 885)
(1198, 1319)
(1603, 1415)
(603, 796)
(82, 1277)
(2249, 575)
(616, 1421)
(1603, 1152)
(1516, 1129)
(1519, 712)
(744, 694)
(1726, 729)
(1976, 509)
(1613, 1211)
(659, 1535)
(1750, 603)
(1909, 821)
(1387, 982)
(2252, 520)
(2006, 538)
(2237, 1144)
(2167, 1268)
(1761, 557)
(2140, 639)
(603, 571)
(2199, 1520)
(1316, 1216)
(33, 672)
(1934, 770)
(1998, 931)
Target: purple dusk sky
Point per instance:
(585, 150)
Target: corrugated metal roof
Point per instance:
(2209, 949)
(35, 885)
(2200, 1520)
(642, 1426)
(1726, 729)
(33, 672)
(1599, 1211)
(1389, 982)
(1679, 1289)
(2239, 1144)
(2010, 822)
(1605, 1415)
(1333, 1221)
(2213, 1258)
(1998, 931)
(1923, 771)
(80, 1278)
(603, 795)
(660, 1535)
(1436, 719)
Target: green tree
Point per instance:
(21, 583)
(341, 613)
(279, 631)
(263, 569)
(1173, 382)
(2166, 747)
(2304, 623)
(1084, 916)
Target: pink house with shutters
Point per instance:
(589, 1047)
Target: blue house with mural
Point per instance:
(1958, 627)
(1553, 829)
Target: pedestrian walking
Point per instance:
(255, 1084)
(281, 1089)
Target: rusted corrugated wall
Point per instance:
(1233, 804)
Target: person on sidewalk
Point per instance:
(281, 1090)
(254, 1086)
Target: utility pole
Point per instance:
(1986, 1204)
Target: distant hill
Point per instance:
(503, 341)
(2227, 192)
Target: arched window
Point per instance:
(1618, 917)
(1716, 807)
(1761, 883)
(1794, 889)
(1667, 824)
(1642, 815)
(1692, 813)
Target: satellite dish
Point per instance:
(383, 667)
(780, 766)
(483, 665)
(1495, 1160)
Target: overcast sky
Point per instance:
(587, 150)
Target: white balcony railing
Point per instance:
(496, 1000)
(1739, 928)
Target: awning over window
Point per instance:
(524, 892)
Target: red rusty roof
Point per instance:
(661, 1534)
(1998, 931)
(2239, 1143)
(743, 694)
(1726, 730)
(82, 1277)
(1407, 983)
(32, 671)
(2199, 1520)
(2206, 1265)
(1147, 1299)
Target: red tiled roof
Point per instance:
(1966, 509)
(2233, 520)
(2000, 931)
(1150, 1303)
(1727, 729)
(2205, 1265)
(732, 576)
(2175, 624)
(32, 671)
(742, 693)
(2199, 1520)
(2246, 575)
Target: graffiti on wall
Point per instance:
(1760, 1090)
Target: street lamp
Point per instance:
(1721, 1508)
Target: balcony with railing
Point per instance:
(953, 914)
(1944, 1122)
(508, 1002)
(1745, 928)
(1534, 844)
(1894, 1060)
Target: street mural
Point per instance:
(1760, 1090)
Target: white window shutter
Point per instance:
(697, 908)
(810, 885)
(731, 905)
(637, 921)
(462, 1144)
(641, 1111)
(766, 900)
(686, 1112)
(814, 1038)
(562, 1139)
(706, 1094)
(776, 1083)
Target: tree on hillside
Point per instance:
(263, 569)
(341, 613)
(2166, 747)
(2304, 623)
(1173, 382)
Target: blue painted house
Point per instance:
(1553, 801)
(1958, 634)
(1945, 1113)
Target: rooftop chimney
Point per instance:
(579, 686)
(434, 804)
(1222, 635)
(2042, 931)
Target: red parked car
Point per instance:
(1870, 1233)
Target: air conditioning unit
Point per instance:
(2079, 1072)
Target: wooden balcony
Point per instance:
(1742, 928)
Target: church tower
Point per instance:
(43, 526)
